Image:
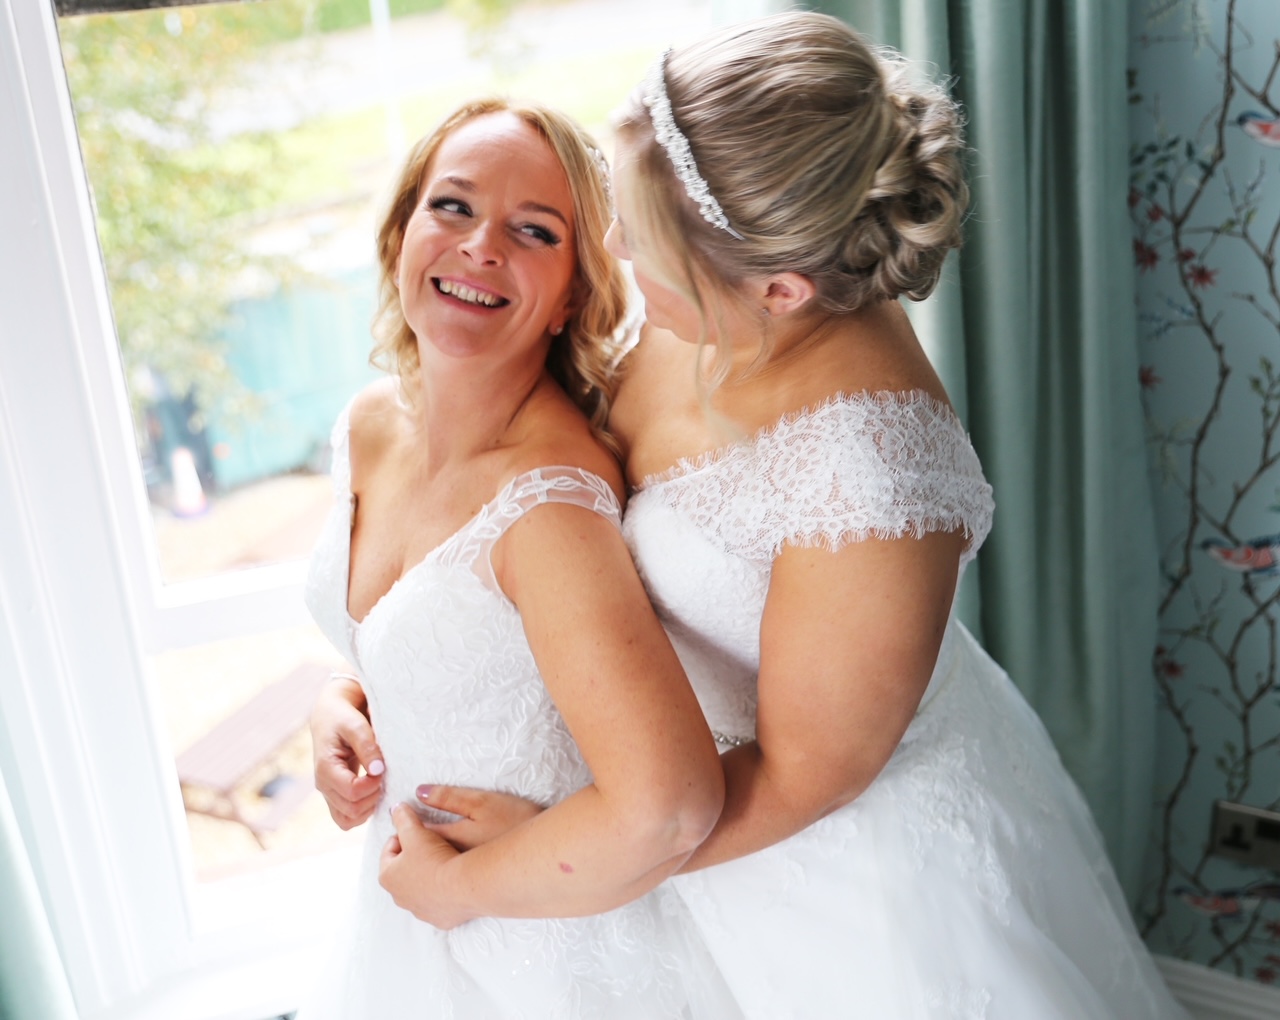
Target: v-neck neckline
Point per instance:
(431, 554)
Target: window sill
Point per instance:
(256, 970)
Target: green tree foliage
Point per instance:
(171, 207)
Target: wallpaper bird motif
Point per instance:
(1260, 127)
(1205, 210)
(1258, 557)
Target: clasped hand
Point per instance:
(414, 862)
(414, 867)
(420, 863)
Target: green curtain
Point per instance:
(1034, 332)
(32, 980)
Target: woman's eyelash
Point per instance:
(541, 233)
(444, 203)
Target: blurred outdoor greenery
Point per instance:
(319, 152)
(332, 15)
(169, 207)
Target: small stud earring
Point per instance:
(557, 330)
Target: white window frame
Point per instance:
(83, 757)
(168, 615)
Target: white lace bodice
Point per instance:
(454, 693)
(705, 533)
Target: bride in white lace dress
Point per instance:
(899, 839)
(474, 573)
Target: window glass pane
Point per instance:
(235, 714)
(237, 154)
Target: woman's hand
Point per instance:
(412, 869)
(485, 814)
(342, 742)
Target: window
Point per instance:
(103, 616)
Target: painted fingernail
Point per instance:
(376, 768)
(424, 792)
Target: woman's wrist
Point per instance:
(346, 686)
(450, 881)
(440, 893)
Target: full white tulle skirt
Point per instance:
(640, 962)
(969, 882)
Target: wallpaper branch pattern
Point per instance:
(1203, 201)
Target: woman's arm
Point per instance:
(658, 787)
(848, 643)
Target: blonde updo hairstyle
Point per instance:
(582, 357)
(824, 155)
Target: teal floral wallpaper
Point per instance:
(1204, 202)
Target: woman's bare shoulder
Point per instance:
(556, 433)
(375, 414)
(871, 352)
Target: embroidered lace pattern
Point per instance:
(455, 697)
(966, 882)
(473, 544)
(881, 465)
(960, 1001)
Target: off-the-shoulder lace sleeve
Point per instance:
(882, 465)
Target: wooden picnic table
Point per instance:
(249, 738)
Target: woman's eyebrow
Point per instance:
(548, 209)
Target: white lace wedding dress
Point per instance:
(968, 882)
(455, 697)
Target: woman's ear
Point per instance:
(784, 293)
(576, 301)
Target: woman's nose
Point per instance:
(483, 243)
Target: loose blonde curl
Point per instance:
(582, 357)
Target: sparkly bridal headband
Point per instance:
(677, 146)
(602, 168)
